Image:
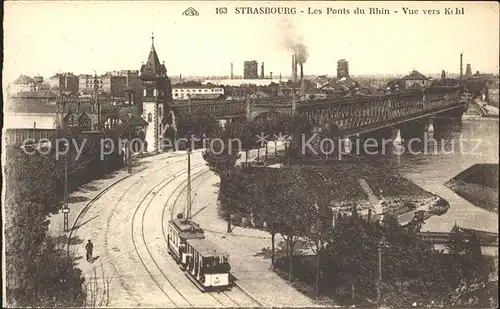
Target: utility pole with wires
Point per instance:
(188, 198)
(319, 245)
(66, 208)
(129, 145)
(381, 245)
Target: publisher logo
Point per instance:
(190, 12)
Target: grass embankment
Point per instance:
(485, 175)
(478, 184)
(396, 193)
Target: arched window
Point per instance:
(70, 121)
(150, 117)
(84, 122)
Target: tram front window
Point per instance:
(216, 265)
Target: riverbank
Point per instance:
(478, 184)
(357, 185)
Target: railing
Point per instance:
(218, 109)
(442, 238)
(272, 101)
(353, 112)
(365, 112)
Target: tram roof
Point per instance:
(186, 225)
(206, 248)
(188, 229)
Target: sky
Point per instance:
(47, 37)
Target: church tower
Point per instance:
(157, 99)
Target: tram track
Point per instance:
(220, 301)
(172, 291)
(155, 189)
(117, 202)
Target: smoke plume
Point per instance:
(293, 41)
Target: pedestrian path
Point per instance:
(245, 246)
(79, 199)
(371, 196)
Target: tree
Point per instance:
(297, 209)
(197, 124)
(271, 212)
(456, 244)
(221, 159)
(36, 268)
(35, 264)
(247, 138)
(259, 130)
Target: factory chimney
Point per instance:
(293, 69)
(302, 84)
(301, 72)
(262, 71)
(271, 75)
(461, 66)
(231, 70)
(468, 71)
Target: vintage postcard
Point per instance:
(211, 154)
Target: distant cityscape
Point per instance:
(33, 100)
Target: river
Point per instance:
(454, 153)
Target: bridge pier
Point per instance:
(445, 121)
(223, 122)
(374, 143)
(416, 133)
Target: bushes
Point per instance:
(40, 273)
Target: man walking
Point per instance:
(89, 247)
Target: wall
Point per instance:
(117, 86)
(26, 120)
(15, 88)
(481, 196)
(149, 114)
(18, 136)
(180, 93)
(410, 83)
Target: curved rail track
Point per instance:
(173, 294)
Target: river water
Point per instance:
(459, 147)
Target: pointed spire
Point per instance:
(152, 67)
(152, 41)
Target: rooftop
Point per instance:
(153, 68)
(206, 248)
(415, 75)
(182, 86)
(44, 94)
(188, 229)
(206, 96)
(23, 79)
(31, 108)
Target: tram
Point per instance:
(203, 263)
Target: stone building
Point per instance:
(157, 99)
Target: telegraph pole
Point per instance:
(66, 209)
(188, 206)
(318, 248)
(379, 281)
(129, 155)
